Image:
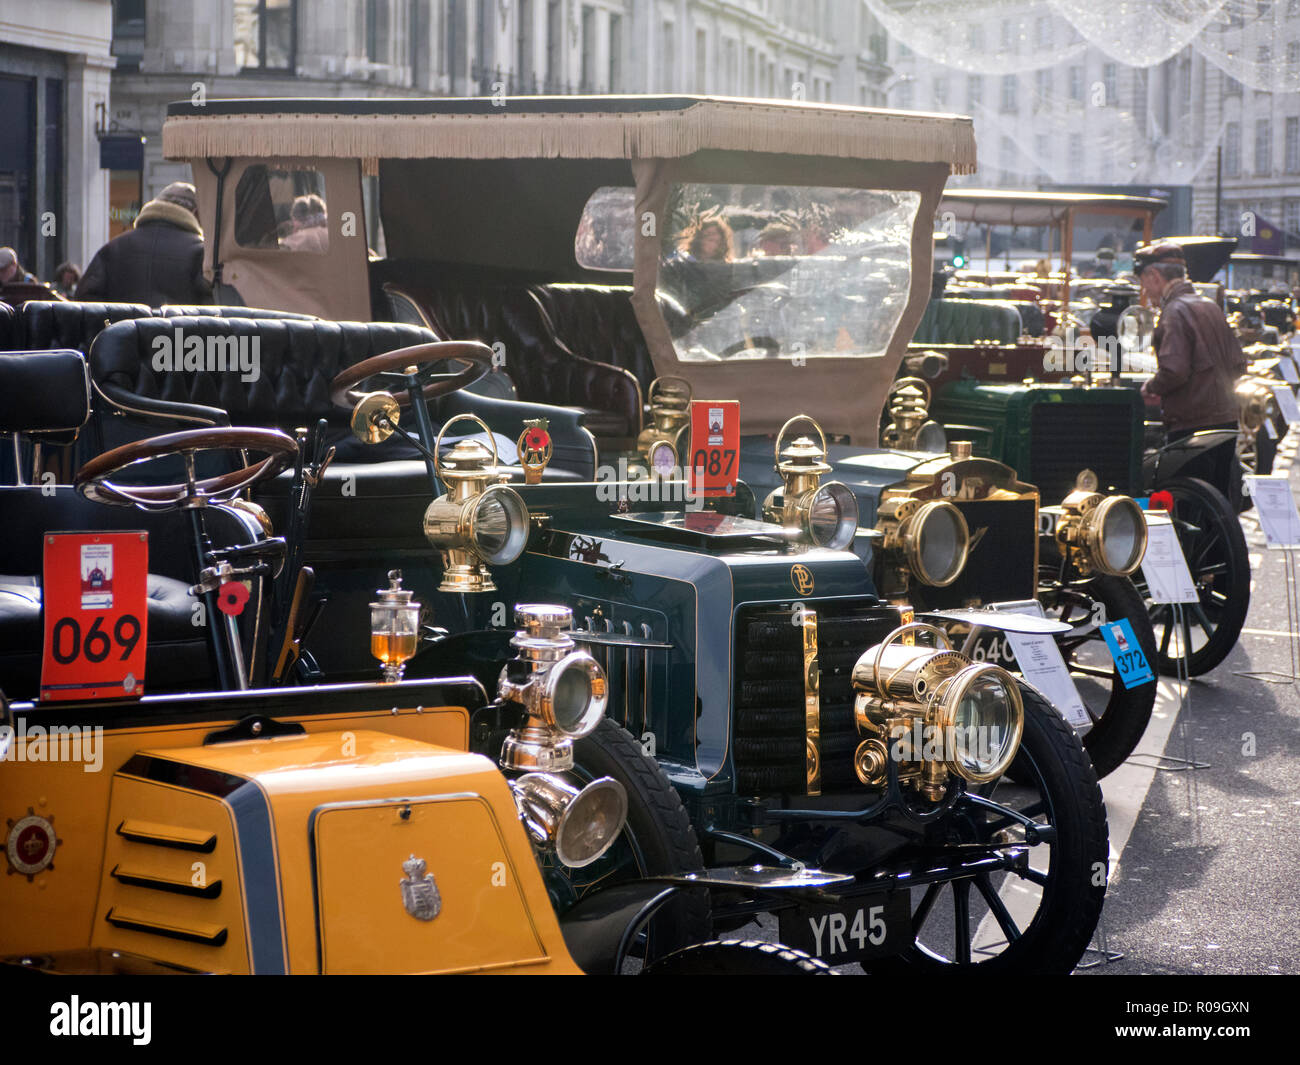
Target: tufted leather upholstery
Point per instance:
(966, 321)
(543, 365)
(296, 360)
(40, 325)
(10, 334)
(72, 324)
(599, 322)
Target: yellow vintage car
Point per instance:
(340, 828)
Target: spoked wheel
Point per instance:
(1215, 549)
(1039, 916)
(658, 839)
(1119, 714)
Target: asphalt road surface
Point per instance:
(1204, 861)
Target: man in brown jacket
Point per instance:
(1199, 359)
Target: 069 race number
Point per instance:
(96, 646)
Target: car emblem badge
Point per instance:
(30, 844)
(420, 891)
(802, 579)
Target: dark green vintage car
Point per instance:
(789, 691)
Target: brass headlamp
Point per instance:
(1255, 402)
(1102, 534)
(929, 537)
(934, 712)
(826, 515)
(564, 694)
(479, 522)
(910, 427)
(661, 442)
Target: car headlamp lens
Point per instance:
(498, 525)
(575, 694)
(831, 516)
(932, 438)
(982, 715)
(937, 540)
(1116, 535)
(591, 823)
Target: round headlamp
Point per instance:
(828, 515)
(574, 694)
(935, 542)
(579, 825)
(981, 715)
(498, 525)
(1114, 533)
(931, 437)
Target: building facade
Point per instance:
(1089, 120)
(55, 67)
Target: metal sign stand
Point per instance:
(1274, 676)
(1164, 762)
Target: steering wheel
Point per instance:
(94, 479)
(400, 366)
(769, 345)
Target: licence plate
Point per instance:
(870, 927)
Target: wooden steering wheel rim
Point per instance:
(92, 480)
(471, 351)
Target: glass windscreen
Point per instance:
(784, 272)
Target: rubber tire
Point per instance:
(734, 957)
(1128, 712)
(1225, 636)
(659, 823)
(1063, 926)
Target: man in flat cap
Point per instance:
(159, 261)
(1199, 359)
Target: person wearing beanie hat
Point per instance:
(1199, 359)
(159, 261)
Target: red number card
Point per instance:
(714, 464)
(96, 606)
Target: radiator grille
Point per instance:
(1066, 437)
(1001, 564)
(768, 748)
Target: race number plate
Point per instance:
(870, 927)
(1132, 664)
(96, 615)
(714, 465)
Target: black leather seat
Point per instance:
(177, 656)
(599, 322)
(10, 333)
(542, 365)
(387, 486)
(71, 324)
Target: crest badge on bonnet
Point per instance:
(419, 890)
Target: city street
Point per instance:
(1205, 860)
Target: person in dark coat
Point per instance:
(1199, 359)
(159, 261)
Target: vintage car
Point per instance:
(198, 817)
(1063, 408)
(784, 696)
